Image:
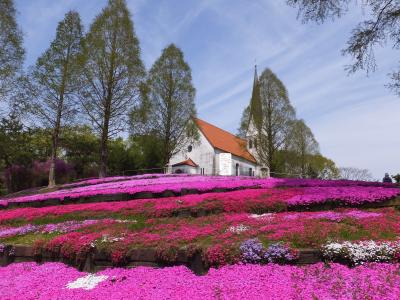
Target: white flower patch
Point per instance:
(360, 252)
(238, 229)
(266, 216)
(109, 239)
(125, 221)
(87, 283)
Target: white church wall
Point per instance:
(223, 163)
(244, 165)
(202, 154)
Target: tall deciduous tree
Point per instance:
(382, 27)
(168, 103)
(11, 50)
(303, 144)
(271, 122)
(351, 173)
(54, 79)
(112, 74)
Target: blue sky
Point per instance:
(354, 118)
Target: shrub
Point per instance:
(279, 253)
(40, 171)
(17, 177)
(253, 252)
(219, 256)
(360, 252)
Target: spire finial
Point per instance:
(255, 73)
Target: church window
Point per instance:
(250, 143)
(190, 148)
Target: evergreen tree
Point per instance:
(168, 103)
(112, 74)
(54, 80)
(11, 50)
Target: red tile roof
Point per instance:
(187, 162)
(224, 141)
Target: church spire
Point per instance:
(255, 77)
(255, 102)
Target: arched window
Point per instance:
(237, 169)
(190, 148)
(255, 143)
(250, 143)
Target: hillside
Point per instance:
(269, 230)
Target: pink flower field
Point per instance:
(372, 281)
(247, 237)
(313, 191)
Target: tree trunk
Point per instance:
(104, 153)
(54, 147)
(52, 171)
(56, 132)
(107, 112)
(104, 136)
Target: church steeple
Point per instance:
(255, 102)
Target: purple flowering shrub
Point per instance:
(40, 172)
(19, 177)
(254, 252)
(279, 253)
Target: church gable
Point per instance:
(224, 141)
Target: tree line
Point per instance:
(83, 91)
(63, 116)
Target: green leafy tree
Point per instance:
(303, 144)
(122, 157)
(168, 103)
(381, 27)
(11, 50)
(20, 147)
(79, 146)
(396, 178)
(16, 142)
(322, 168)
(244, 123)
(112, 74)
(147, 153)
(54, 79)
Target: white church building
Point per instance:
(219, 152)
